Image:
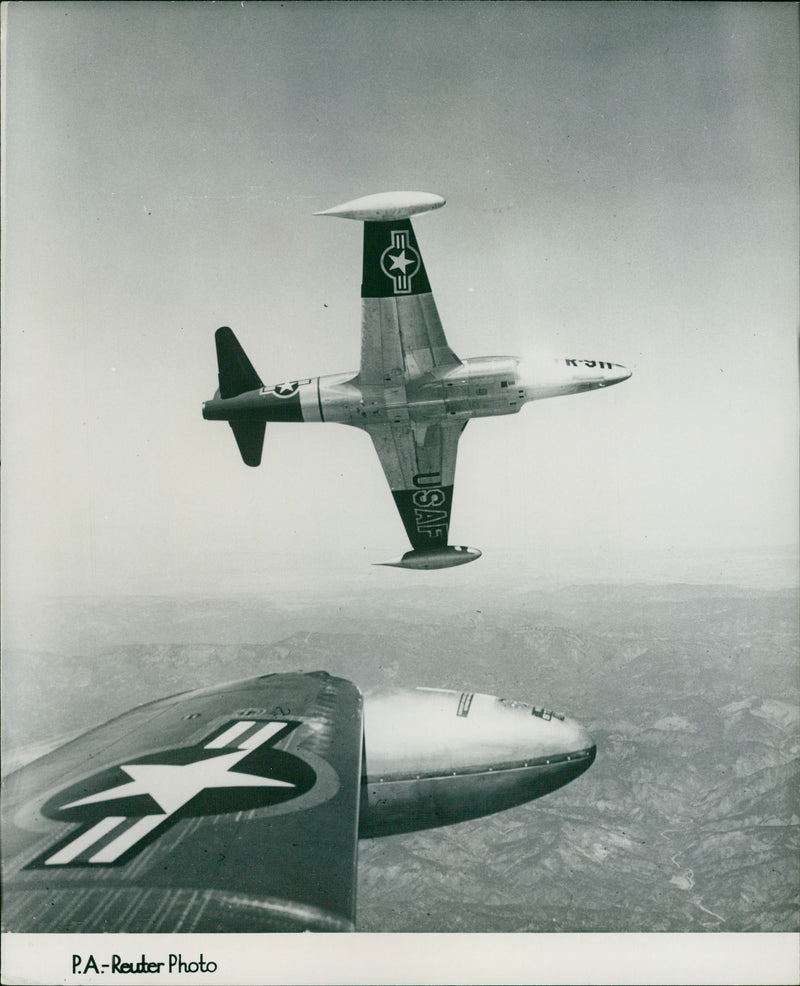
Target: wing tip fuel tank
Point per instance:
(448, 557)
(386, 206)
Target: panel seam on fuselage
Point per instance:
(555, 760)
(319, 402)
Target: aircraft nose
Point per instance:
(617, 374)
(576, 739)
(574, 753)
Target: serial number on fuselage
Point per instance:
(590, 364)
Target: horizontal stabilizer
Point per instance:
(236, 373)
(386, 206)
(249, 437)
(447, 557)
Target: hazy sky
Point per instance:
(621, 183)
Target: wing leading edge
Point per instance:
(227, 809)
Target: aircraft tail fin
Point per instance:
(236, 373)
(237, 376)
(249, 437)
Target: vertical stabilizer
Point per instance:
(236, 372)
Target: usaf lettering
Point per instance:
(427, 497)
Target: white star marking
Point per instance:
(284, 388)
(172, 786)
(400, 262)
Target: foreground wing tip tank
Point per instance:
(463, 755)
(386, 206)
(448, 557)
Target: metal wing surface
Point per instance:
(402, 343)
(420, 463)
(402, 337)
(224, 809)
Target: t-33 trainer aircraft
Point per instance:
(412, 394)
(239, 807)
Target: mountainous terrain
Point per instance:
(688, 820)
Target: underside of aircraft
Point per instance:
(411, 394)
(239, 808)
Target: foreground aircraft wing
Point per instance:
(224, 809)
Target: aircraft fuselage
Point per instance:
(478, 388)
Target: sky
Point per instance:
(621, 183)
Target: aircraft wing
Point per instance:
(420, 463)
(225, 809)
(402, 337)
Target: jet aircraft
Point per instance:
(412, 394)
(239, 807)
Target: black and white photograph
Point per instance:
(400, 492)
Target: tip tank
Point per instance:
(447, 557)
(386, 206)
